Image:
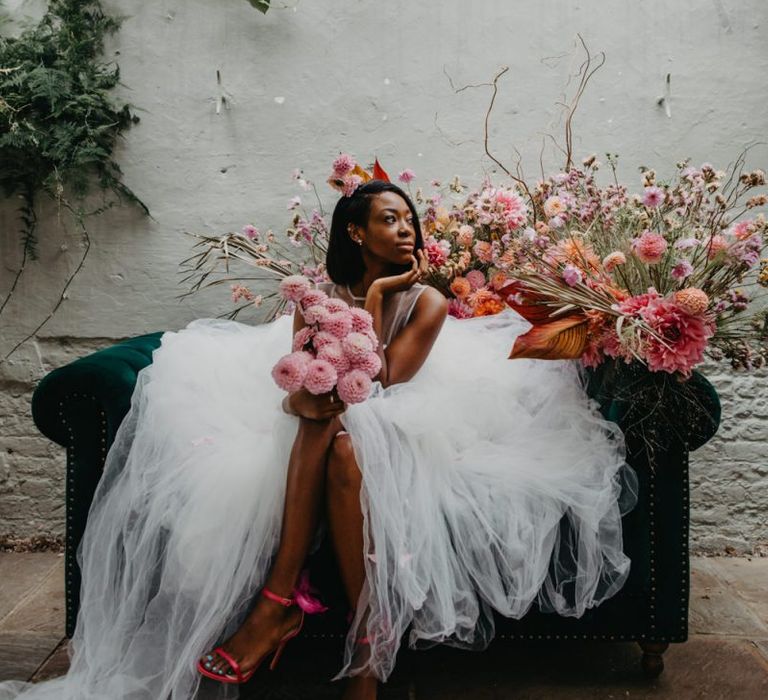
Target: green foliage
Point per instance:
(58, 125)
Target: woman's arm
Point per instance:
(408, 350)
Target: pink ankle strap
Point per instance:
(287, 602)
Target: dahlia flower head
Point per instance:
(335, 349)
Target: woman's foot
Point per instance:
(261, 632)
(361, 688)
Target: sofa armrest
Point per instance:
(106, 377)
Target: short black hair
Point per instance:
(344, 260)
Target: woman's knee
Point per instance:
(343, 470)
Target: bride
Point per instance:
(443, 493)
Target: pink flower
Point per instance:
(294, 203)
(316, 314)
(290, 371)
(337, 323)
(251, 232)
(302, 337)
(294, 287)
(313, 297)
(613, 260)
(406, 176)
(717, 244)
(684, 337)
(343, 164)
(320, 378)
(354, 386)
(334, 355)
(483, 251)
(362, 321)
(350, 183)
(746, 250)
(743, 229)
(465, 236)
(370, 363)
(357, 345)
(458, 309)
(635, 304)
(572, 275)
(649, 247)
(653, 196)
(692, 300)
(335, 306)
(437, 251)
(240, 291)
(323, 338)
(554, 206)
(476, 279)
(681, 270)
(512, 206)
(687, 243)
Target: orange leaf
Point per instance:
(364, 176)
(562, 339)
(530, 308)
(379, 173)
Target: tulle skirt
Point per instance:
(468, 472)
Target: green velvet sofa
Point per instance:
(81, 405)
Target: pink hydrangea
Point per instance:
(320, 377)
(343, 165)
(316, 314)
(681, 270)
(406, 176)
(302, 337)
(483, 250)
(357, 345)
(572, 275)
(337, 323)
(649, 247)
(437, 251)
(291, 370)
(313, 297)
(354, 386)
(684, 336)
(653, 196)
(476, 279)
(334, 355)
(370, 363)
(458, 309)
(294, 287)
(362, 321)
(336, 305)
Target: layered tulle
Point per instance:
(468, 471)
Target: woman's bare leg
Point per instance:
(345, 519)
(268, 622)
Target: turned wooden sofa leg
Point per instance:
(652, 662)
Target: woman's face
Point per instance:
(390, 234)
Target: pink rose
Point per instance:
(291, 370)
(354, 386)
(320, 377)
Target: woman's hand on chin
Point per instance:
(316, 406)
(404, 281)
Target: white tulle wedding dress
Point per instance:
(467, 470)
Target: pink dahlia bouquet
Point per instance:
(337, 347)
(661, 275)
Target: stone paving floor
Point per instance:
(726, 655)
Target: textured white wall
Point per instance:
(315, 78)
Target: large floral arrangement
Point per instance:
(658, 275)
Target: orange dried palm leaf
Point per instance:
(561, 339)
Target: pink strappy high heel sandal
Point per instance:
(304, 598)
